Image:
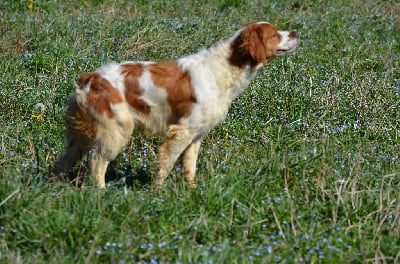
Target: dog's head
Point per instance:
(259, 41)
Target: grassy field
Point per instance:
(306, 167)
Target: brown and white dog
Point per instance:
(181, 100)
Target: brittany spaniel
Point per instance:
(181, 100)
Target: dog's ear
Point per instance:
(256, 47)
(248, 47)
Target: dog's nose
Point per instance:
(293, 34)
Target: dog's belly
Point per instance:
(156, 122)
(202, 119)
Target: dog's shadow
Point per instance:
(119, 176)
(128, 176)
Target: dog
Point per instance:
(181, 100)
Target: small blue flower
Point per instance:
(269, 249)
(154, 261)
(162, 244)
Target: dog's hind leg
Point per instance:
(81, 131)
(77, 147)
(177, 140)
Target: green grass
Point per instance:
(305, 168)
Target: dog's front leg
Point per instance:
(99, 167)
(177, 140)
(189, 160)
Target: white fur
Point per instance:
(287, 43)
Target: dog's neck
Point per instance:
(229, 79)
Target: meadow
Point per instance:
(305, 169)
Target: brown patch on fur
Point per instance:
(177, 83)
(101, 94)
(133, 91)
(254, 45)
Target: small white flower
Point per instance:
(41, 107)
